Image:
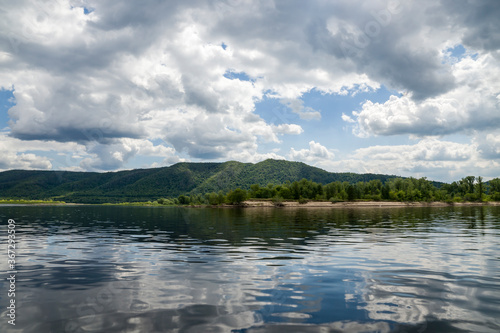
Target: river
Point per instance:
(172, 269)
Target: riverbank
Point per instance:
(253, 203)
(360, 204)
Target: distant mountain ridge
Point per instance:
(165, 182)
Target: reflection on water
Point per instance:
(137, 269)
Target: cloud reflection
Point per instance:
(156, 270)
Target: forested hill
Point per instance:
(167, 182)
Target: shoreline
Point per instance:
(362, 204)
(285, 204)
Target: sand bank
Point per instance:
(360, 204)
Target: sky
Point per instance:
(408, 88)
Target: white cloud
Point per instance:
(315, 154)
(489, 145)
(424, 150)
(128, 74)
(292, 129)
(472, 105)
(114, 155)
(11, 160)
(108, 75)
(18, 154)
(304, 112)
(432, 158)
(346, 118)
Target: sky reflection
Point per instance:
(155, 270)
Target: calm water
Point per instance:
(138, 269)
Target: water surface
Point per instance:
(140, 269)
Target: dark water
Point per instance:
(138, 269)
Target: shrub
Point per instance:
(277, 201)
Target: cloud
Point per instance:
(292, 129)
(424, 150)
(389, 41)
(432, 158)
(489, 145)
(315, 154)
(11, 160)
(130, 72)
(477, 22)
(114, 155)
(18, 154)
(297, 106)
(347, 118)
(473, 106)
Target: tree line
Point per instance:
(469, 188)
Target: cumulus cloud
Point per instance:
(315, 154)
(489, 145)
(477, 22)
(11, 160)
(18, 154)
(114, 155)
(424, 150)
(432, 158)
(387, 41)
(473, 105)
(292, 129)
(117, 76)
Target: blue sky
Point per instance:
(7, 100)
(408, 88)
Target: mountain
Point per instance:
(151, 184)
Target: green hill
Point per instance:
(151, 184)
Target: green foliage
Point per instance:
(303, 201)
(479, 188)
(145, 185)
(183, 199)
(213, 198)
(167, 202)
(277, 201)
(221, 198)
(351, 192)
(29, 202)
(218, 183)
(237, 196)
(494, 185)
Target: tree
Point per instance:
(295, 190)
(237, 196)
(221, 198)
(385, 191)
(213, 199)
(494, 185)
(183, 199)
(351, 192)
(495, 189)
(255, 191)
(480, 188)
(285, 192)
(467, 185)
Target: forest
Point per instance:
(233, 182)
(467, 189)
